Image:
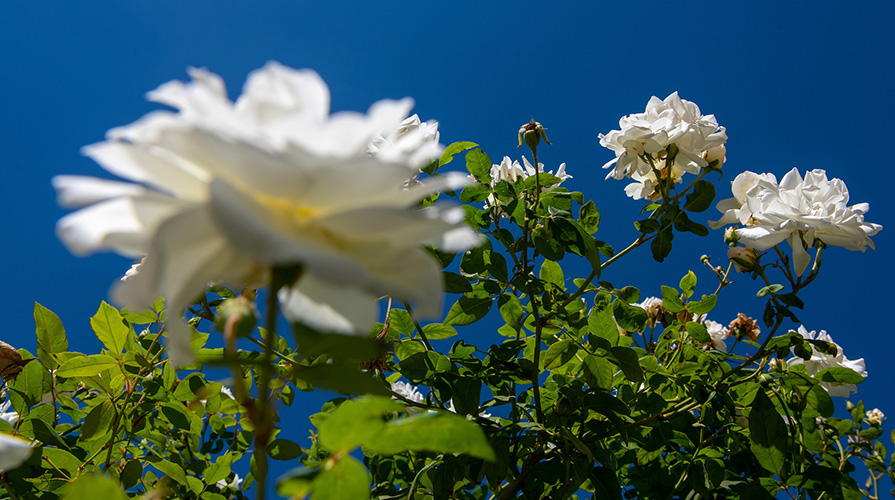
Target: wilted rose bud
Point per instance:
(11, 362)
(743, 258)
(875, 417)
(531, 134)
(744, 326)
(237, 317)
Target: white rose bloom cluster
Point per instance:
(718, 333)
(223, 191)
(698, 138)
(7, 413)
(821, 360)
(797, 210)
(407, 391)
(875, 417)
(512, 171)
(413, 139)
(653, 308)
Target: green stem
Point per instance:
(419, 328)
(280, 277)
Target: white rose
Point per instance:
(224, 191)
(796, 210)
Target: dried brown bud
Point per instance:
(10, 362)
(744, 326)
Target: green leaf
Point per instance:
(839, 374)
(424, 365)
(661, 244)
(768, 434)
(298, 482)
(631, 318)
(454, 283)
(467, 393)
(819, 400)
(688, 284)
(30, 381)
(479, 165)
(456, 148)
(50, 336)
(769, 289)
(671, 300)
(97, 423)
(704, 306)
(629, 294)
(344, 378)
(628, 362)
(469, 308)
(110, 328)
(510, 309)
(589, 217)
(559, 353)
(598, 372)
(355, 422)
(219, 470)
(169, 469)
(606, 484)
(475, 193)
(698, 332)
(551, 272)
(700, 199)
(347, 478)
(541, 178)
(438, 331)
(440, 432)
(90, 486)
(176, 413)
(86, 366)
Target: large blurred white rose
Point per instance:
(821, 360)
(665, 122)
(796, 210)
(222, 191)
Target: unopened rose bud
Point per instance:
(704, 259)
(776, 365)
(531, 134)
(237, 317)
(730, 236)
(715, 157)
(743, 258)
(875, 417)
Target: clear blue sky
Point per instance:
(795, 83)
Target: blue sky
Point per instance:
(796, 84)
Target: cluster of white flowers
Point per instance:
(698, 138)
(235, 483)
(821, 360)
(413, 139)
(718, 333)
(875, 417)
(511, 171)
(653, 308)
(409, 392)
(224, 191)
(7, 413)
(796, 210)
